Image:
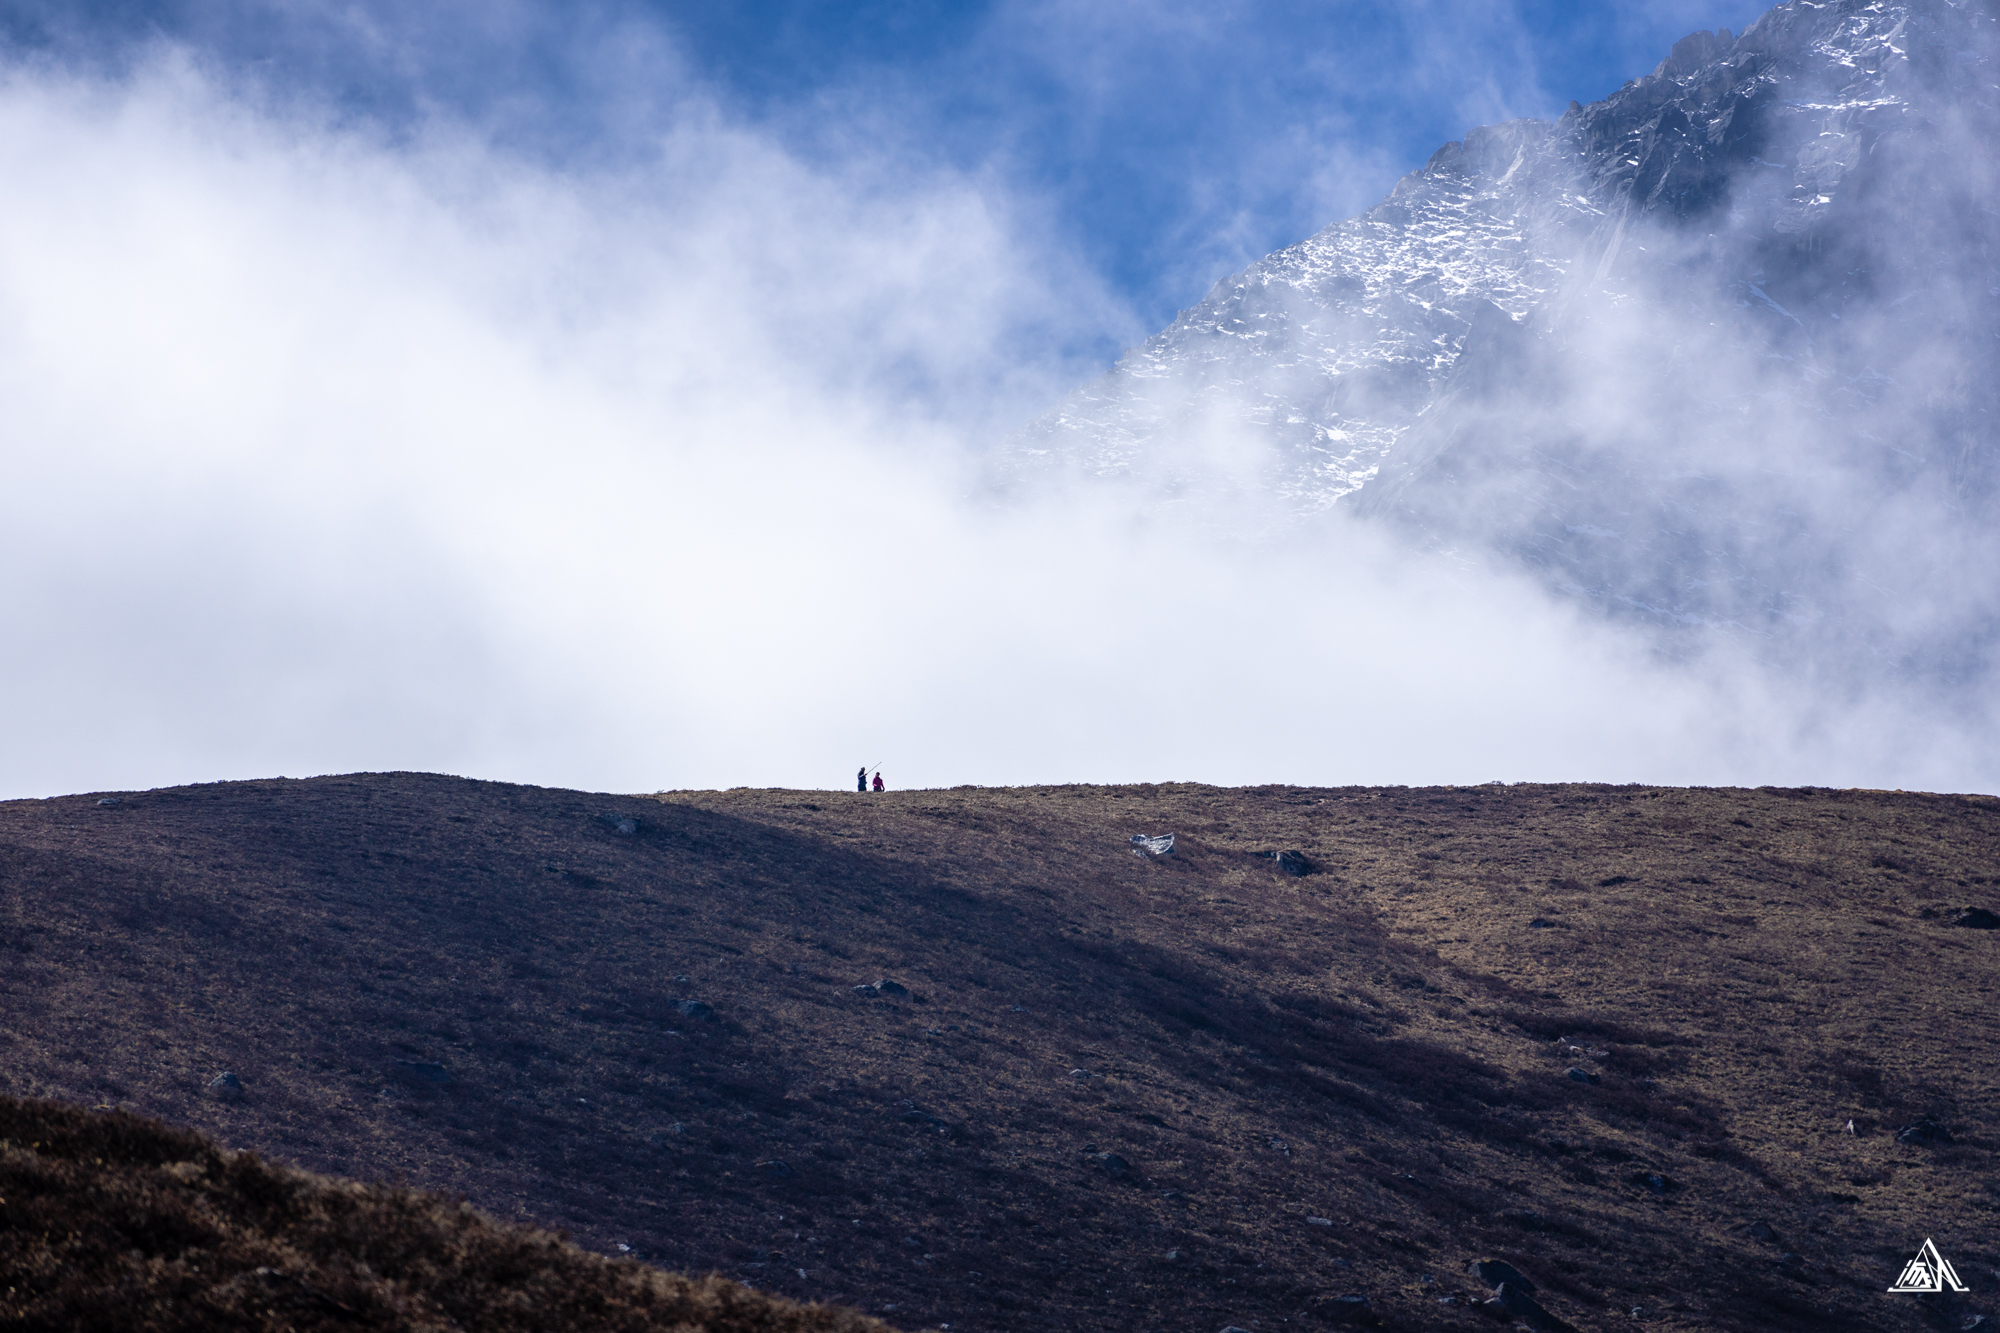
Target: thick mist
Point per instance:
(1760, 414)
(330, 453)
(1708, 360)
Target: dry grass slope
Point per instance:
(112, 1222)
(1354, 1082)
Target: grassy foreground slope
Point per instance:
(109, 1221)
(1119, 1093)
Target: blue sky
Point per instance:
(1166, 143)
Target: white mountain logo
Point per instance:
(1929, 1271)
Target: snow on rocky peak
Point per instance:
(1325, 352)
(1716, 351)
(1296, 378)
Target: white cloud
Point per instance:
(326, 455)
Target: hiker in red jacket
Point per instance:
(878, 782)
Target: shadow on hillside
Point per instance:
(631, 1023)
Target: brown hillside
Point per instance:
(1351, 1083)
(109, 1221)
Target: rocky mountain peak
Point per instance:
(1767, 245)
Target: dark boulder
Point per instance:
(226, 1087)
(422, 1071)
(916, 1115)
(1493, 1272)
(1575, 1075)
(697, 1010)
(1510, 1302)
(1977, 918)
(1925, 1130)
(1111, 1164)
(1351, 1310)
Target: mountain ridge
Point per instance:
(1690, 120)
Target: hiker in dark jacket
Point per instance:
(861, 780)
